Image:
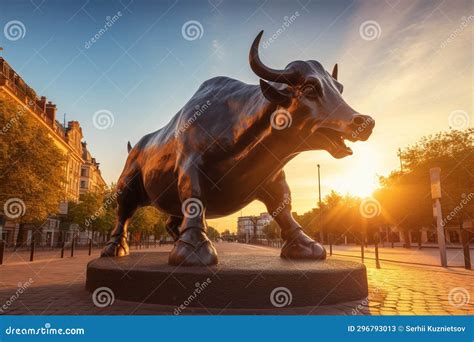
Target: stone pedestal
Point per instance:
(238, 281)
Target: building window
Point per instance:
(83, 184)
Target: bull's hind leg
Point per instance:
(172, 226)
(276, 196)
(117, 245)
(193, 247)
(129, 198)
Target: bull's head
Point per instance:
(313, 98)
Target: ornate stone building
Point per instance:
(91, 178)
(251, 227)
(67, 138)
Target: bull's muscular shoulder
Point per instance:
(216, 106)
(212, 100)
(221, 88)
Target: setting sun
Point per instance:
(361, 178)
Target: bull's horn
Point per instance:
(282, 76)
(334, 71)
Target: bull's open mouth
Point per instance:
(336, 142)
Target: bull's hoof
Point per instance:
(193, 248)
(117, 246)
(300, 246)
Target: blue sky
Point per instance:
(142, 69)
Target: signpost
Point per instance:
(321, 233)
(435, 176)
(63, 207)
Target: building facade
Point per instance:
(91, 178)
(251, 227)
(68, 139)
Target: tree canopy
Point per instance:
(405, 195)
(31, 165)
(403, 198)
(148, 220)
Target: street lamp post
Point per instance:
(400, 156)
(435, 177)
(321, 235)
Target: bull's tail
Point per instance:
(129, 147)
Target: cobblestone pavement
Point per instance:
(53, 286)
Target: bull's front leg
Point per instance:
(192, 247)
(276, 196)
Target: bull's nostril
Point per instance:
(358, 120)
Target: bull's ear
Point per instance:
(274, 95)
(334, 71)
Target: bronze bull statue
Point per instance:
(227, 147)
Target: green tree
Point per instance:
(405, 196)
(146, 221)
(87, 211)
(32, 168)
(272, 230)
(107, 218)
(342, 216)
(212, 233)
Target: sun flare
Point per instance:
(361, 179)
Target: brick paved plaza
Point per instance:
(57, 287)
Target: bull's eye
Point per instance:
(312, 90)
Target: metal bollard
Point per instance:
(62, 249)
(362, 250)
(90, 246)
(32, 249)
(73, 243)
(465, 246)
(2, 251)
(377, 261)
(330, 243)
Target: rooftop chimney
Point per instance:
(51, 112)
(42, 103)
